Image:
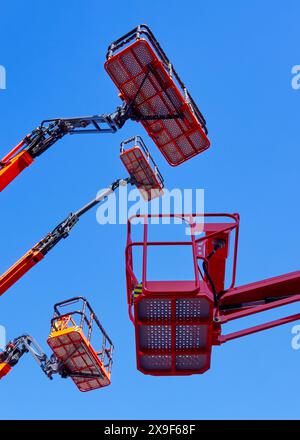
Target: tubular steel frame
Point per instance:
(88, 317)
(228, 227)
(135, 34)
(234, 302)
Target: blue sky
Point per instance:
(236, 58)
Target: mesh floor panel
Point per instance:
(72, 350)
(173, 335)
(139, 168)
(155, 310)
(140, 76)
(187, 309)
(159, 337)
(191, 362)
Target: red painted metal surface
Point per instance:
(140, 75)
(14, 151)
(279, 286)
(141, 167)
(173, 319)
(177, 321)
(173, 330)
(258, 297)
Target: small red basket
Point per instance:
(142, 168)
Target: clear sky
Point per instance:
(236, 58)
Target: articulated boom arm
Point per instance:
(261, 296)
(38, 252)
(51, 130)
(47, 134)
(15, 350)
(73, 354)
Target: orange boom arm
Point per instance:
(43, 137)
(143, 173)
(20, 268)
(11, 168)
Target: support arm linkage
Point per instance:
(38, 252)
(15, 350)
(51, 130)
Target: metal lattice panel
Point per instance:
(142, 77)
(138, 167)
(72, 350)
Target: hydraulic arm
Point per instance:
(152, 93)
(40, 250)
(15, 350)
(49, 132)
(143, 173)
(81, 348)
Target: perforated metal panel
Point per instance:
(191, 337)
(172, 334)
(142, 77)
(155, 337)
(71, 348)
(188, 309)
(156, 363)
(155, 310)
(191, 362)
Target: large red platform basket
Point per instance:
(142, 168)
(174, 319)
(148, 82)
(71, 341)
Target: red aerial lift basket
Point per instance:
(157, 97)
(70, 340)
(173, 319)
(142, 168)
